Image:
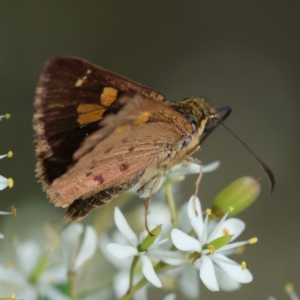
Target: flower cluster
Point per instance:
(183, 246)
(39, 272)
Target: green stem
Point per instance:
(133, 265)
(160, 267)
(133, 289)
(171, 204)
(71, 277)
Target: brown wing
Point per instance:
(114, 161)
(69, 89)
(136, 110)
(138, 137)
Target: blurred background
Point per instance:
(239, 53)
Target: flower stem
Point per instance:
(161, 266)
(171, 204)
(71, 277)
(133, 265)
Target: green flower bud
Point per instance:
(148, 241)
(238, 195)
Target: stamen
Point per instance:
(7, 116)
(253, 240)
(289, 287)
(10, 182)
(243, 265)
(211, 249)
(208, 211)
(13, 210)
(13, 295)
(225, 231)
(240, 250)
(9, 154)
(231, 209)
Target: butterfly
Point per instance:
(98, 134)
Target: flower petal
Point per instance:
(70, 238)
(191, 168)
(217, 228)
(124, 227)
(11, 280)
(148, 271)
(56, 274)
(173, 258)
(121, 283)
(226, 283)
(230, 226)
(171, 296)
(184, 242)
(147, 188)
(27, 293)
(195, 219)
(88, 247)
(123, 264)
(207, 273)
(232, 268)
(3, 183)
(28, 254)
(231, 246)
(121, 251)
(183, 169)
(211, 167)
(189, 284)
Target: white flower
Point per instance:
(177, 173)
(129, 251)
(31, 277)
(215, 269)
(76, 253)
(121, 279)
(289, 289)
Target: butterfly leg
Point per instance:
(148, 199)
(197, 183)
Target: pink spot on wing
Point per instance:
(124, 167)
(99, 178)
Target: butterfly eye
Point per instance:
(209, 125)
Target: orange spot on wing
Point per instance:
(143, 118)
(108, 96)
(122, 128)
(84, 108)
(90, 117)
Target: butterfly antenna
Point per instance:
(266, 169)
